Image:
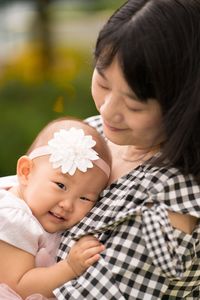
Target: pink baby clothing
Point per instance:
(21, 229)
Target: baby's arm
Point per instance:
(19, 272)
(84, 254)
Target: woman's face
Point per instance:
(126, 120)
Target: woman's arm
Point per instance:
(185, 223)
(19, 272)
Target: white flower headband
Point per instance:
(71, 150)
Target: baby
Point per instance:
(58, 183)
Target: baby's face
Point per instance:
(59, 200)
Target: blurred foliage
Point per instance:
(29, 99)
(91, 5)
(44, 81)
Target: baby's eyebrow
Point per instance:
(61, 176)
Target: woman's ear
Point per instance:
(24, 167)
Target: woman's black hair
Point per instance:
(157, 43)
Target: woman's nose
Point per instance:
(111, 109)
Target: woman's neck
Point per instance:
(136, 154)
(126, 158)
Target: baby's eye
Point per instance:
(87, 199)
(61, 185)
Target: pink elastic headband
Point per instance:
(46, 150)
(71, 149)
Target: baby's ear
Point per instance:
(24, 167)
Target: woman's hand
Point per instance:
(84, 253)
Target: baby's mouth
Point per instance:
(56, 216)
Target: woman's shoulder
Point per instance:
(96, 122)
(171, 176)
(180, 192)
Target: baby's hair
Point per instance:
(66, 123)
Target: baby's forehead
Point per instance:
(50, 130)
(81, 180)
(69, 124)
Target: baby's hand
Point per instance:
(84, 253)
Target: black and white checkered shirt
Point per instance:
(145, 258)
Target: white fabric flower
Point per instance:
(72, 149)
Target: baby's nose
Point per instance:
(66, 204)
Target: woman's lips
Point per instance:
(112, 128)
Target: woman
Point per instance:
(146, 87)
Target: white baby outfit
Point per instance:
(21, 229)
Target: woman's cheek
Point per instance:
(97, 97)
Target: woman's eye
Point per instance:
(135, 109)
(61, 185)
(103, 86)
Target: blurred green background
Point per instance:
(46, 64)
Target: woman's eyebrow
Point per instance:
(101, 72)
(131, 95)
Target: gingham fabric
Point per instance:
(145, 258)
